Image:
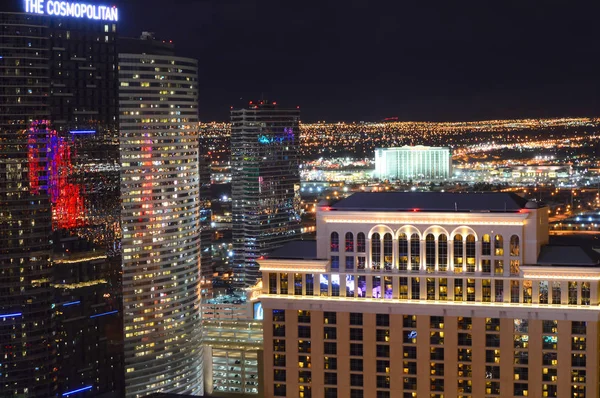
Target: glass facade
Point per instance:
(27, 352)
(84, 187)
(265, 184)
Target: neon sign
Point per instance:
(70, 9)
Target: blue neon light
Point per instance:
(103, 314)
(66, 394)
(83, 131)
(71, 303)
(11, 315)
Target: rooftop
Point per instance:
(579, 256)
(434, 201)
(296, 250)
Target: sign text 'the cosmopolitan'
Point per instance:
(70, 9)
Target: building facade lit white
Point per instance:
(160, 218)
(413, 163)
(432, 295)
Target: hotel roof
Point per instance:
(568, 256)
(434, 201)
(296, 249)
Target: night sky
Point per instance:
(366, 60)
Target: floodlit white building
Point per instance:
(413, 163)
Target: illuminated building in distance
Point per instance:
(431, 295)
(161, 208)
(413, 163)
(265, 184)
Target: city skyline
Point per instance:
(452, 221)
(360, 61)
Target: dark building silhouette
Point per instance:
(27, 350)
(60, 255)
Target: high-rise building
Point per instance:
(206, 230)
(62, 215)
(161, 210)
(413, 163)
(84, 185)
(430, 295)
(27, 350)
(265, 184)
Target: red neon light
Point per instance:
(65, 196)
(33, 156)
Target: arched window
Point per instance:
(514, 246)
(499, 245)
(470, 249)
(388, 244)
(458, 253)
(349, 242)
(486, 245)
(335, 242)
(402, 252)
(375, 251)
(415, 252)
(361, 242)
(442, 253)
(430, 253)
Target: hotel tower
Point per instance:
(265, 184)
(431, 295)
(161, 212)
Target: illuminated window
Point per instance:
(470, 289)
(458, 253)
(458, 290)
(514, 245)
(443, 289)
(470, 253)
(415, 252)
(283, 283)
(402, 252)
(486, 292)
(527, 292)
(486, 245)
(572, 300)
(499, 267)
(499, 245)
(442, 253)
(515, 267)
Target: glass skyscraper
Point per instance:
(161, 219)
(27, 352)
(265, 184)
(59, 206)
